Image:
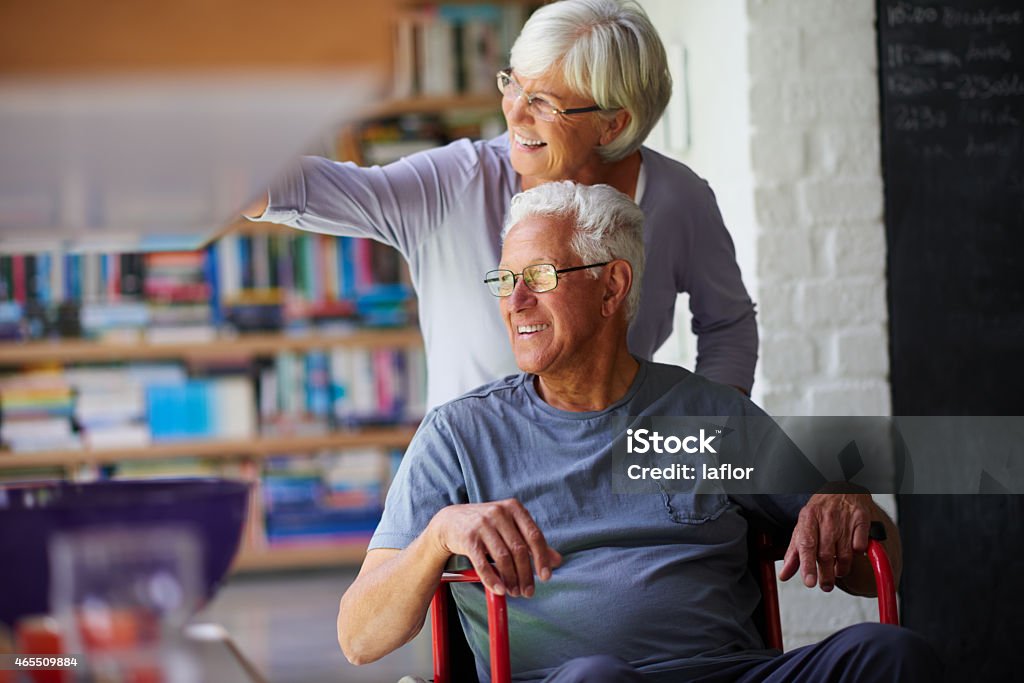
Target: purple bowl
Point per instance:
(30, 515)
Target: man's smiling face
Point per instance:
(549, 331)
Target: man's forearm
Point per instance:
(386, 605)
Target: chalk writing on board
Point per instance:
(998, 52)
(988, 19)
(909, 86)
(975, 149)
(905, 13)
(982, 87)
(964, 86)
(992, 116)
(922, 118)
(906, 55)
(934, 151)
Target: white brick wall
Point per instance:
(820, 247)
(820, 239)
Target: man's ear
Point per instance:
(618, 281)
(613, 128)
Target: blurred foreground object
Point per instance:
(31, 517)
(122, 597)
(119, 120)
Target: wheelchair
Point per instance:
(454, 662)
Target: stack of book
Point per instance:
(36, 409)
(319, 390)
(449, 49)
(269, 281)
(176, 288)
(123, 406)
(110, 405)
(332, 496)
(210, 408)
(245, 282)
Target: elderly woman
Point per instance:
(587, 82)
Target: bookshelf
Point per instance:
(246, 345)
(444, 59)
(307, 556)
(425, 106)
(213, 449)
(306, 447)
(242, 458)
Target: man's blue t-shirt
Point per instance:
(658, 579)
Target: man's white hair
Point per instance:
(605, 50)
(608, 225)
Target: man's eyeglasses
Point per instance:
(537, 106)
(540, 278)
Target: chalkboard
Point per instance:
(952, 96)
(952, 83)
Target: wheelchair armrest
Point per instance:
(768, 548)
(885, 583)
(459, 570)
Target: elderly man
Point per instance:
(633, 587)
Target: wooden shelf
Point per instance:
(260, 447)
(306, 555)
(74, 351)
(433, 104)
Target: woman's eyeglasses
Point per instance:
(537, 106)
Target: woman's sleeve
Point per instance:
(398, 204)
(723, 314)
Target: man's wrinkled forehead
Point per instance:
(538, 239)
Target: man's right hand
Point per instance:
(502, 532)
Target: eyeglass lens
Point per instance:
(537, 106)
(539, 278)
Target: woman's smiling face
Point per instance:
(542, 151)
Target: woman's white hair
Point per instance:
(607, 50)
(608, 225)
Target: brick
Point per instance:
(773, 50)
(851, 150)
(842, 201)
(854, 250)
(777, 207)
(822, 13)
(766, 111)
(842, 303)
(788, 357)
(800, 103)
(829, 100)
(850, 98)
(777, 306)
(849, 52)
(778, 156)
(851, 397)
(785, 255)
(782, 400)
(860, 353)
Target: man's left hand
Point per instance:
(830, 529)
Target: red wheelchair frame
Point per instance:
(765, 552)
